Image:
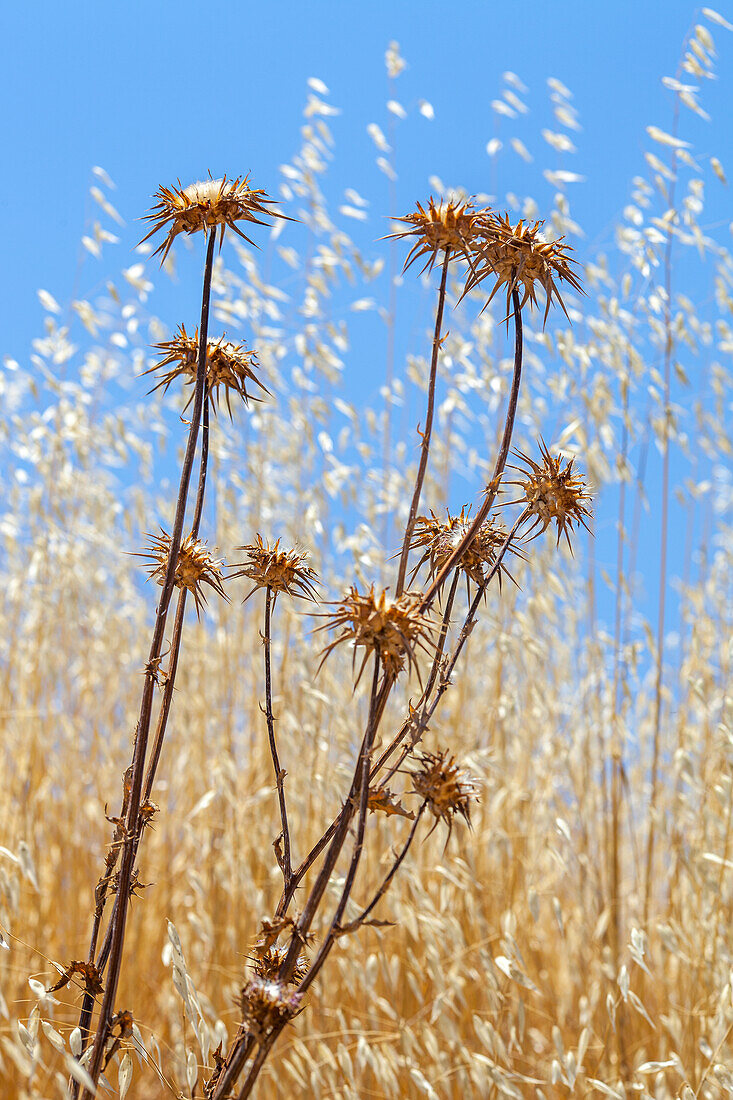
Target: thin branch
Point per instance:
(284, 859)
(426, 434)
(337, 832)
(387, 882)
(494, 484)
(122, 897)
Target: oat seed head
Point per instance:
(196, 566)
(279, 570)
(392, 629)
(551, 492)
(443, 225)
(229, 367)
(516, 255)
(208, 205)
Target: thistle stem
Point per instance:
(363, 770)
(426, 434)
(285, 860)
(387, 881)
(118, 919)
(495, 482)
(203, 468)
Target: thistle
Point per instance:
(552, 493)
(195, 566)
(517, 255)
(268, 960)
(208, 205)
(228, 366)
(265, 1004)
(276, 569)
(391, 629)
(442, 226)
(445, 787)
(438, 539)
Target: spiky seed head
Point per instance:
(228, 366)
(268, 960)
(265, 1003)
(195, 567)
(552, 493)
(439, 538)
(516, 255)
(444, 786)
(442, 225)
(393, 629)
(208, 205)
(280, 570)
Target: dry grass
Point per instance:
(542, 953)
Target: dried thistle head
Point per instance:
(439, 538)
(268, 960)
(208, 205)
(276, 569)
(195, 566)
(516, 255)
(551, 492)
(265, 1003)
(443, 225)
(444, 787)
(228, 366)
(392, 629)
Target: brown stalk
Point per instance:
(328, 835)
(118, 918)
(426, 434)
(284, 858)
(338, 829)
(363, 766)
(334, 838)
(494, 484)
(243, 1044)
(267, 1046)
(357, 922)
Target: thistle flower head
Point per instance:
(439, 538)
(195, 566)
(208, 205)
(445, 787)
(268, 960)
(228, 366)
(392, 629)
(280, 570)
(552, 493)
(265, 1003)
(443, 225)
(517, 255)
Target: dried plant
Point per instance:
(194, 568)
(279, 570)
(444, 786)
(228, 366)
(208, 205)
(576, 941)
(438, 539)
(450, 228)
(517, 255)
(552, 493)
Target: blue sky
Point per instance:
(153, 91)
